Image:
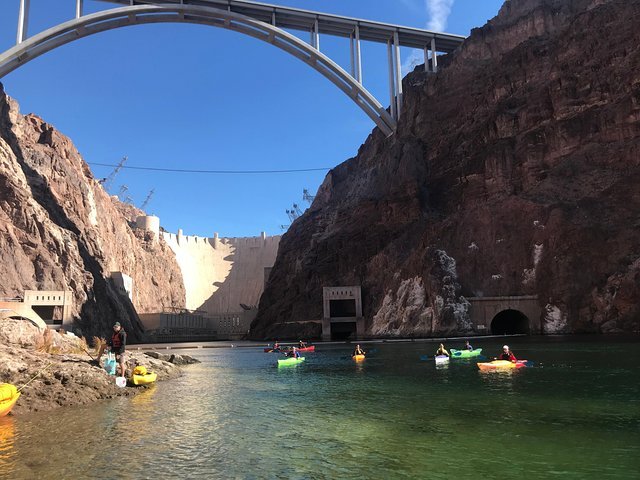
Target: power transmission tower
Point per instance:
(106, 182)
(123, 189)
(307, 197)
(147, 200)
(294, 213)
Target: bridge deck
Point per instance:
(304, 20)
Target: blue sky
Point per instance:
(197, 97)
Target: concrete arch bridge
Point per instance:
(269, 23)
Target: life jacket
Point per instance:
(116, 339)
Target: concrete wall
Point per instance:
(484, 309)
(19, 309)
(53, 298)
(352, 293)
(222, 273)
(185, 326)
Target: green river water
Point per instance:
(574, 415)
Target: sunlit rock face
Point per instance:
(518, 161)
(60, 230)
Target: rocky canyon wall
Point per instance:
(61, 231)
(514, 171)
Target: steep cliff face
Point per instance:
(514, 171)
(62, 231)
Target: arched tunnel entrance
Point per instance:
(510, 322)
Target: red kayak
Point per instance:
(271, 350)
(311, 348)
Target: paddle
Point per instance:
(37, 373)
(94, 360)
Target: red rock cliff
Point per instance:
(61, 231)
(514, 171)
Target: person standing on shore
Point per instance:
(118, 343)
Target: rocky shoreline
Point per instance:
(67, 378)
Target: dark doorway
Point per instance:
(510, 322)
(48, 313)
(341, 331)
(342, 308)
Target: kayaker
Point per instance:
(293, 353)
(117, 343)
(507, 355)
(468, 346)
(276, 345)
(358, 351)
(442, 350)
(301, 344)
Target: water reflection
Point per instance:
(7, 446)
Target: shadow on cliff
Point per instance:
(103, 302)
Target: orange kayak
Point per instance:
(501, 365)
(358, 358)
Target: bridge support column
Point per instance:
(392, 82)
(79, 8)
(358, 58)
(434, 56)
(426, 58)
(23, 21)
(396, 44)
(315, 36)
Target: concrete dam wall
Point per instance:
(221, 274)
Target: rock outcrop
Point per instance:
(513, 171)
(60, 230)
(67, 377)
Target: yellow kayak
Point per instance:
(358, 358)
(140, 376)
(9, 395)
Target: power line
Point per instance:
(181, 170)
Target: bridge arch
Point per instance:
(91, 24)
(510, 322)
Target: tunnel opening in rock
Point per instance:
(341, 331)
(510, 322)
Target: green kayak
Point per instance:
(465, 353)
(290, 361)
